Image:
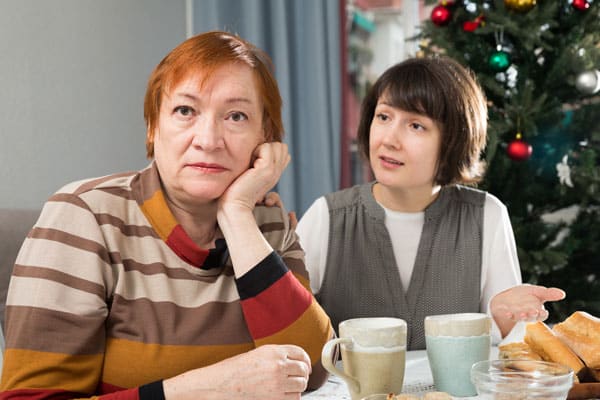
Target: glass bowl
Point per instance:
(521, 379)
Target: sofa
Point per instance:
(15, 224)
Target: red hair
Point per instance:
(204, 53)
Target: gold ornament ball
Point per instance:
(519, 5)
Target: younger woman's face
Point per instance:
(404, 147)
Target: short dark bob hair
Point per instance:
(446, 92)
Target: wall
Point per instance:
(73, 76)
(394, 27)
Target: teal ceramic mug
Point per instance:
(454, 343)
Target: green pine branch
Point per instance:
(549, 47)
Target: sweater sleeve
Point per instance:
(57, 306)
(279, 307)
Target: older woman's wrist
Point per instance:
(235, 209)
(246, 243)
(235, 216)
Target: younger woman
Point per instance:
(416, 242)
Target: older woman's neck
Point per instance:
(200, 223)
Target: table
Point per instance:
(417, 379)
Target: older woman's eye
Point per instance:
(185, 111)
(237, 116)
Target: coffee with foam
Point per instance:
(373, 355)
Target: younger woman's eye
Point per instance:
(382, 117)
(237, 116)
(185, 111)
(417, 126)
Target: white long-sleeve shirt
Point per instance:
(499, 262)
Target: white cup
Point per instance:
(454, 343)
(373, 355)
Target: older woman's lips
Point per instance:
(207, 167)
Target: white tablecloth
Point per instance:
(417, 379)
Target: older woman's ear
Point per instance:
(149, 143)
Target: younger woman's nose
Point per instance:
(392, 138)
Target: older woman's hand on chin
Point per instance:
(234, 214)
(268, 372)
(269, 162)
(522, 303)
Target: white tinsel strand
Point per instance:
(564, 172)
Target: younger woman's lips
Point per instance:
(392, 161)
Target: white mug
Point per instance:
(373, 355)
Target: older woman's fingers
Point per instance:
(298, 354)
(297, 368)
(296, 384)
(272, 158)
(281, 154)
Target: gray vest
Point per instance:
(361, 277)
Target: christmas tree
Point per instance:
(538, 64)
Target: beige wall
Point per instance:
(72, 80)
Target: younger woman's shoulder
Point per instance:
(494, 209)
(466, 194)
(492, 204)
(351, 191)
(492, 201)
(349, 196)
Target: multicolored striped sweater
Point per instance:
(109, 296)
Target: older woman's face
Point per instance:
(207, 133)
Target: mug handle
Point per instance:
(326, 360)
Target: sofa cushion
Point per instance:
(15, 224)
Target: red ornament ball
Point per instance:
(470, 26)
(440, 15)
(519, 150)
(581, 5)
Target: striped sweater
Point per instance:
(109, 296)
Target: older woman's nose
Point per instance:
(207, 135)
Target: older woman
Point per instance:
(170, 282)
